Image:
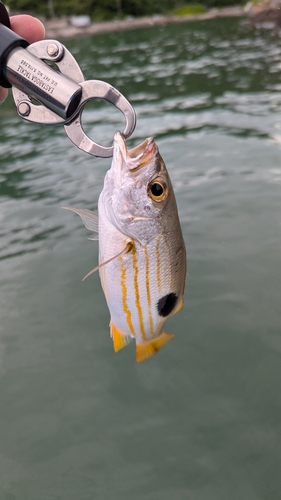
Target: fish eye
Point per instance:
(157, 190)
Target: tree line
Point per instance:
(104, 9)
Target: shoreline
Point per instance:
(62, 27)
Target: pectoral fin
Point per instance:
(145, 350)
(127, 249)
(119, 338)
(89, 219)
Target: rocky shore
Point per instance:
(266, 14)
(63, 28)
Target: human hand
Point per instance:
(27, 27)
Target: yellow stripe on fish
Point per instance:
(137, 293)
(158, 264)
(147, 284)
(124, 288)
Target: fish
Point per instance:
(142, 255)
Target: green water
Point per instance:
(202, 419)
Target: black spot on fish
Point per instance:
(166, 304)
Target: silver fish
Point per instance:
(142, 257)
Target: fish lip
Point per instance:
(120, 144)
(138, 157)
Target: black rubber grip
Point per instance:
(9, 40)
(4, 15)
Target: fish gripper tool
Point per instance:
(49, 88)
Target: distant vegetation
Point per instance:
(189, 9)
(110, 9)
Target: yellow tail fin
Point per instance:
(147, 349)
(119, 338)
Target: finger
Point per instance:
(3, 94)
(28, 27)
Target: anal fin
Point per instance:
(119, 338)
(145, 350)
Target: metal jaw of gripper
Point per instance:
(61, 95)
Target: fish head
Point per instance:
(138, 192)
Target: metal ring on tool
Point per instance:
(96, 89)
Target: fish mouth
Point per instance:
(135, 158)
